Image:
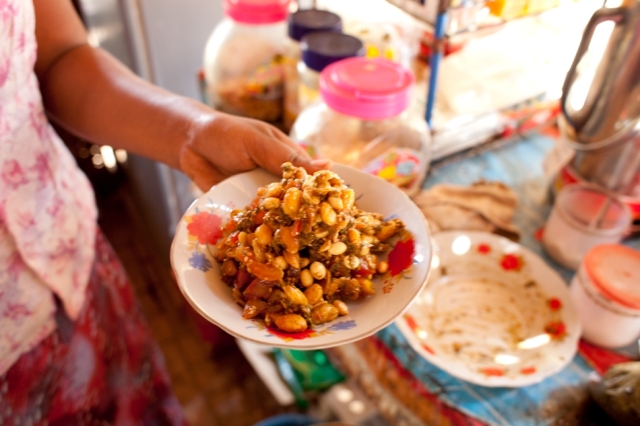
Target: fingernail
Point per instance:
(322, 163)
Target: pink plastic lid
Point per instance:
(257, 11)
(371, 89)
(614, 270)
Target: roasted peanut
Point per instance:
(383, 267)
(242, 238)
(291, 323)
(304, 262)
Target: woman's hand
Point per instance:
(222, 145)
(92, 95)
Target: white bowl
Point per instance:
(198, 274)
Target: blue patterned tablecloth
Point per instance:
(518, 165)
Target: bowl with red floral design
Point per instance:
(198, 273)
(493, 312)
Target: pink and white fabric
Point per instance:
(47, 207)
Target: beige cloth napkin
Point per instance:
(483, 206)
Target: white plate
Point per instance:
(493, 313)
(198, 274)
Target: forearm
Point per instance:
(95, 97)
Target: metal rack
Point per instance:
(418, 9)
(438, 23)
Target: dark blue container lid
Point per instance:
(307, 21)
(320, 49)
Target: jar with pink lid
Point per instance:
(243, 59)
(362, 119)
(606, 293)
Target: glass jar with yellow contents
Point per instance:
(243, 59)
(362, 119)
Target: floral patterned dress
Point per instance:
(74, 348)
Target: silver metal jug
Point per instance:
(605, 129)
(612, 103)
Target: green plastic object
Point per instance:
(312, 369)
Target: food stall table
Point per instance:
(408, 390)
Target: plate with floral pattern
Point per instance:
(493, 313)
(199, 274)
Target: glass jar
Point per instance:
(583, 216)
(362, 119)
(243, 59)
(319, 50)
(381, 40)
(606, 294)
(301, 23)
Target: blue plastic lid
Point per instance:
(321, 49)
(307, 21)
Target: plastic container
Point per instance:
(301, 23)
(583, 216)
(320, 50)
(606, 294)
(243, 59)
(362, 119)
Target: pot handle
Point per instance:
(617, 15)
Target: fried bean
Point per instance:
(306, 279)
(324, 312)
(271, 203)
(328, 214)
(229, 268)
(291, 323)
(314, 294)
(264, 234)
(337, 248)
(294, 295)
(341, 307)
(292, 201)
(318, 270)
(253, 308)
